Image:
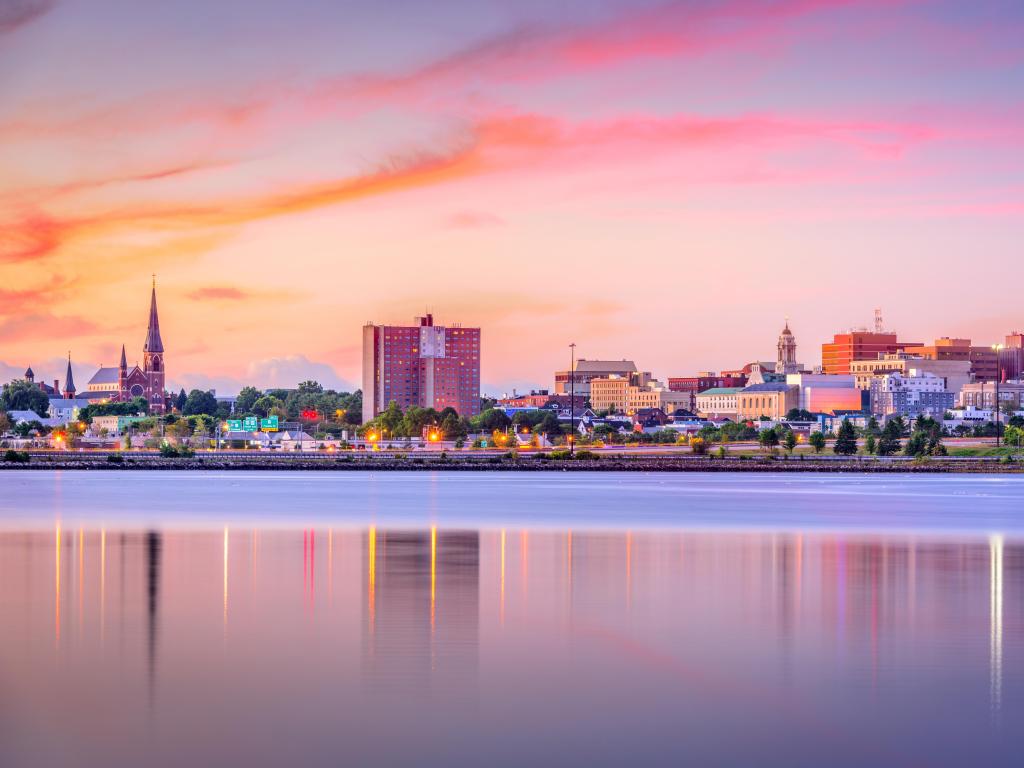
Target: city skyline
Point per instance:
(659, 181)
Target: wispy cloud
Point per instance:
(473, 220)
(15, 14)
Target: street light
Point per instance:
(997, 348)
(572, 394)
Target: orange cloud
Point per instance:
(45, 327)
(497, 143)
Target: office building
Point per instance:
(825, 393)
(587, 370)
(844, 348)
(983, 360)
(771, 401)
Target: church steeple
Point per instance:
(153, 341)
(124, 361)
(69, 382)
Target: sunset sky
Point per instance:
(653, 180)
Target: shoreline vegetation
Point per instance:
(584, 461)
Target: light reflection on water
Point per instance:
(506, 644)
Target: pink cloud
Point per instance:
(473, 220)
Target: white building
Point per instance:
(894, 394)
(718, 402)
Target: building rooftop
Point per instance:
(721, 391)
(104, 376)
(595, 366)
(771, 387)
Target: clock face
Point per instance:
(137, 390)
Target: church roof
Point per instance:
(104, 376)
(69, 380)
(153, 341)
(29, 374)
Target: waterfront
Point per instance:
(467, 618)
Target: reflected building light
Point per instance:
(330, 565)
(629, 568)
(371, 567)
(56, 588)
(995, 545)
(81, 575)
(501, 615)
(433, 575)
(799, 572)
(312, 566)
(225, 581)
(524, 562)
(103, 584)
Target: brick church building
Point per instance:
(122, 383)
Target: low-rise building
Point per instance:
(825, 393)
(718, 402)
(771, 400)
(956, 373)
(894, 394)
(982, 395)
(66, 409)
(113, 425)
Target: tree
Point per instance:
(246, 397)
(799, 414)
(5, 424)
(264, 405)
(310, 387)
(768, 438)
(872, 427)
(817, 441)
(180, 400)
(789, 441)
(21, 395)
(846, 439)
(889, 442)
(870, 445)
(200, 402)
(493, 419)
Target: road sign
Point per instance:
(269, 424)
(234, 425)
(250, 423)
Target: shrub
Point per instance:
(115, 458)
(17, 457)
(168, 451)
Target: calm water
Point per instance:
(506, 619)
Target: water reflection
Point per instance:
(845, 649)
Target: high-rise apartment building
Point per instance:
(427, 365)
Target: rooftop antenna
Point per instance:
(879, 325)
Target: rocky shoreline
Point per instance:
(530, 463)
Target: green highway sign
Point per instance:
(234, 425)
(269, 424)
(250, 424)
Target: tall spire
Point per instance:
(153, 341)
(69, 381)
(124, 359)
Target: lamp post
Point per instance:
(997, 348)
(572, 396)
